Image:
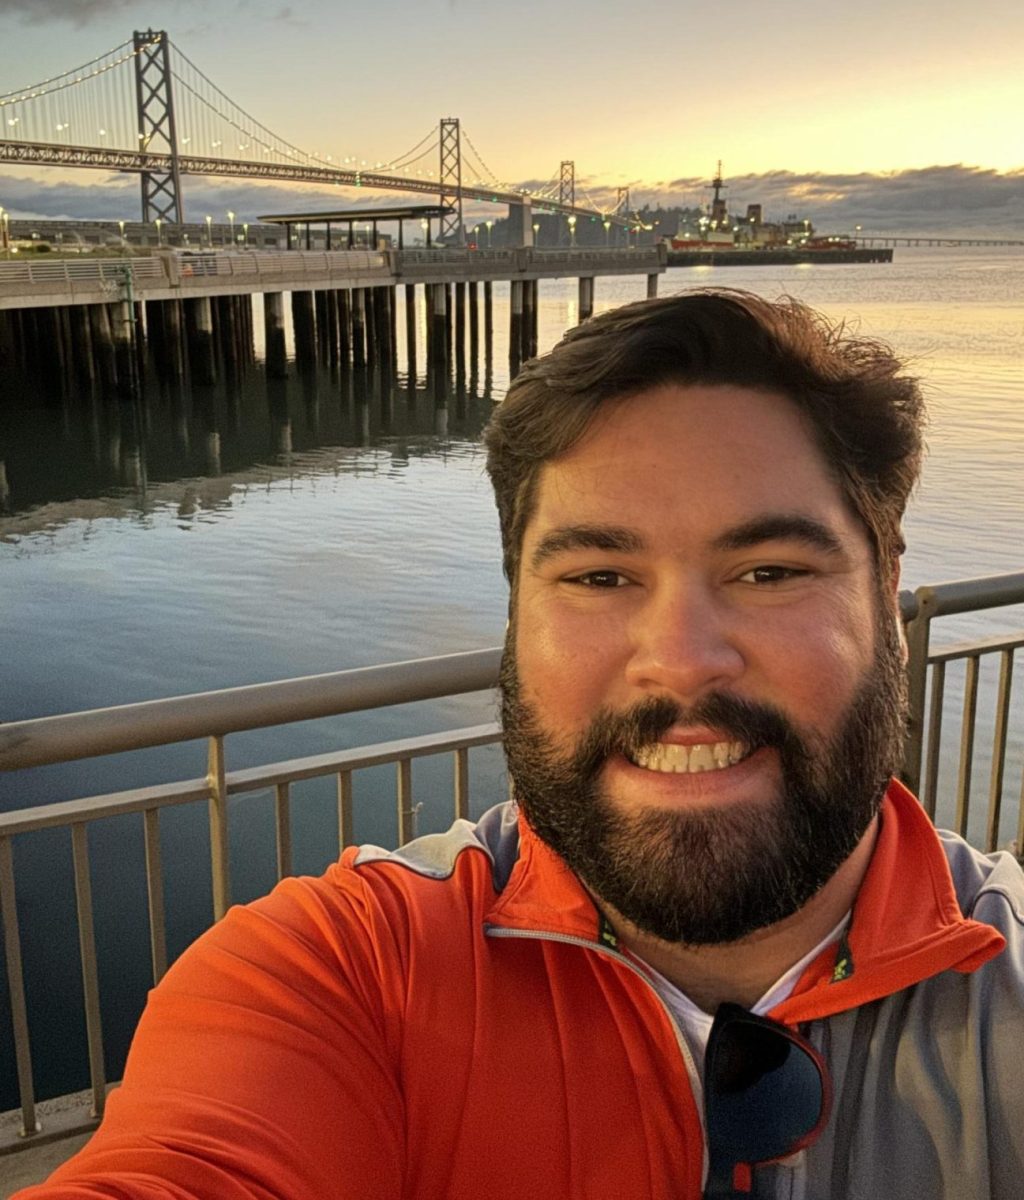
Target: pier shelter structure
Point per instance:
(299, 226)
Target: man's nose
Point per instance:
(683, 643)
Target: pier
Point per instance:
(87, 319)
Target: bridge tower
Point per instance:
(450, 178)
(161, 190)
(567, 183)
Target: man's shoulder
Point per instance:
(490, 845)
(989, 886)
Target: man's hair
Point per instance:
(865, 413)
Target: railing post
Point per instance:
(406, 809)
(16, 988)
(90, 982)
(216, 778)
(918, 633)
(155, 894)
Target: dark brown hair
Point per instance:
(866, 413)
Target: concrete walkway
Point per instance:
(33, 1165)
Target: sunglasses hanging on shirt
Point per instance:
(767, 1094)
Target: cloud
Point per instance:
(945, 200)
(75, 12)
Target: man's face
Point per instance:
(702, 688)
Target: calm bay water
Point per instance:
(235, 535)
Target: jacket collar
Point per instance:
(907, 925)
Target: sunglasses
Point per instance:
(767, 1094)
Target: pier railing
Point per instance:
(215, 715)
(38, 281)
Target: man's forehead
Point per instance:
(707, 459)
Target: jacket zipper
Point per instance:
(696, 1084)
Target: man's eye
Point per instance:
(599, 579)
(768, 575)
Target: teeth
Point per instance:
(689, 760)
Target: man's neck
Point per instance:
(741, 972)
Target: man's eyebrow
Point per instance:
(780, 527)
(611, 538)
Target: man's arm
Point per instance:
(263, 1066)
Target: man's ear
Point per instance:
(894, 598)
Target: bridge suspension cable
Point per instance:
(204, 115)
(65, 78)
(89, 105)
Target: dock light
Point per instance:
(607, 231)
(489, 225)
(209, 231)
(231, 219)
(245, 232)
(536, 231)
(572, 230)
(159, 237)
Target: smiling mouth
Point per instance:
(689, 760)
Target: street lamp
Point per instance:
(245, 231)
(489, 225)
(231, 219)
(572, 230)
(607, 232)
(159, 239)
(209, 231)
(536, 231)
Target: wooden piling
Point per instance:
(460, 329)
(103, 345)
(273, 335)
(526, 328)
(199, 329)
(474, 327)
(344, 327)
(323, 337)
(359, 327)
(586, 304)
(410, 329)
(81, 346)
(438, 328)
(652, 286)
(515, 325)
(122, 317)
(488, 322)
(305, 332)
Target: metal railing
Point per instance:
(214, 715)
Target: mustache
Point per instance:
(625, 733)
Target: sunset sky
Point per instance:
(650, 94)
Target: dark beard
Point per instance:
(714, 876)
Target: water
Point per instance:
(236, 535)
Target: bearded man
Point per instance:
(713, 948)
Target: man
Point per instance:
(700, 502)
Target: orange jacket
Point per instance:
(445, 1023)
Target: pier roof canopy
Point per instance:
(406, 213)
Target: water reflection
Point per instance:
(60, 453)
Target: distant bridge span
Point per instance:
(141, 162)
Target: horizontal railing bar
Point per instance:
(231, 710)
(382, 754)
(992, 645)
(967, 595)
(94, 808)
(110, 804)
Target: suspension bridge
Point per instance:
(144, 107)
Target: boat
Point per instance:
(722, 240)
